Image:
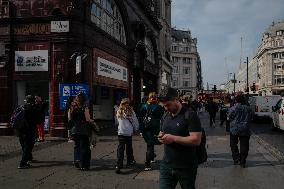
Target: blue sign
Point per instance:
(68, 90)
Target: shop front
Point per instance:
(111, 84)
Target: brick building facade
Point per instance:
(49, 35)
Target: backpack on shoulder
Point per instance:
(201, 149)
(18, 121)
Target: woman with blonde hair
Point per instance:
(127, 125)
(150, 115)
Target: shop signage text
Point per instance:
(70, 90)
(28, 29)
(31, 60)
(111, 70)
(59, 26)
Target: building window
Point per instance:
(186, 70)
(279, 79)
(175, 59)
(275, 55)
(175, 69)
(150, 50)
(106, 15)
(175, 48)
(186, 83)
(186, 60)
(281, 55)
(280, 32)
(175, 83)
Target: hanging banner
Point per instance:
(31, 61)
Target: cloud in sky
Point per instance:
(219, 25)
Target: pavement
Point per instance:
(54, 169)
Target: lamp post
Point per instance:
(247, 76)
(234, 81)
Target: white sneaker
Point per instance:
(147, 169)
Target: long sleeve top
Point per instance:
(127, 125)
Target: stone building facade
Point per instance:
(165, 44)
(187, 76)
(270, 56)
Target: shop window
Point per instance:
(106, 15)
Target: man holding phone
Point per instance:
(180, 136)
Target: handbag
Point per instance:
(81, 128)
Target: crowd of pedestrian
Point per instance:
(166, 119)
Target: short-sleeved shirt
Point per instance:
(177, 155)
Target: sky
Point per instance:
(219, 26)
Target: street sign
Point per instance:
(78, 64)
(70, 90)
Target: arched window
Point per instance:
(106, 15)
(150, 50)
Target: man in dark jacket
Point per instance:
(240, 116)
(212, 109)
(28, 134)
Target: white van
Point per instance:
(278, 114)
(262, 105)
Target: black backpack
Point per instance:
(18, 121)
(201, 149)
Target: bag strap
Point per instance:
(163, 119)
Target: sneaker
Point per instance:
(148, 168)
(117, 170)
(243, 165)
(236, 162)
(153, 161)
(25, 166)
(85, 168)
(77, 164)
(131, 163)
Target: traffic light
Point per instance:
(253, 87)
(214, 89)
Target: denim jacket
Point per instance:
(240, 116)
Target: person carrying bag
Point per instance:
(80, 130)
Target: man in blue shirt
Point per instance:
(180, 136)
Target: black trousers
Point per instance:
(27, 143)
(150, 154)
(212, 118)
(82, 151)
(242, 154)
(124, 141)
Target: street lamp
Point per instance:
(247, 76)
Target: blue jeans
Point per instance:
(169, 177)
(82, 151)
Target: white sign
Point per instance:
(111, 70)
(78, 64)
(59, 26)
(32, 61)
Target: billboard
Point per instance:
(32, 61)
